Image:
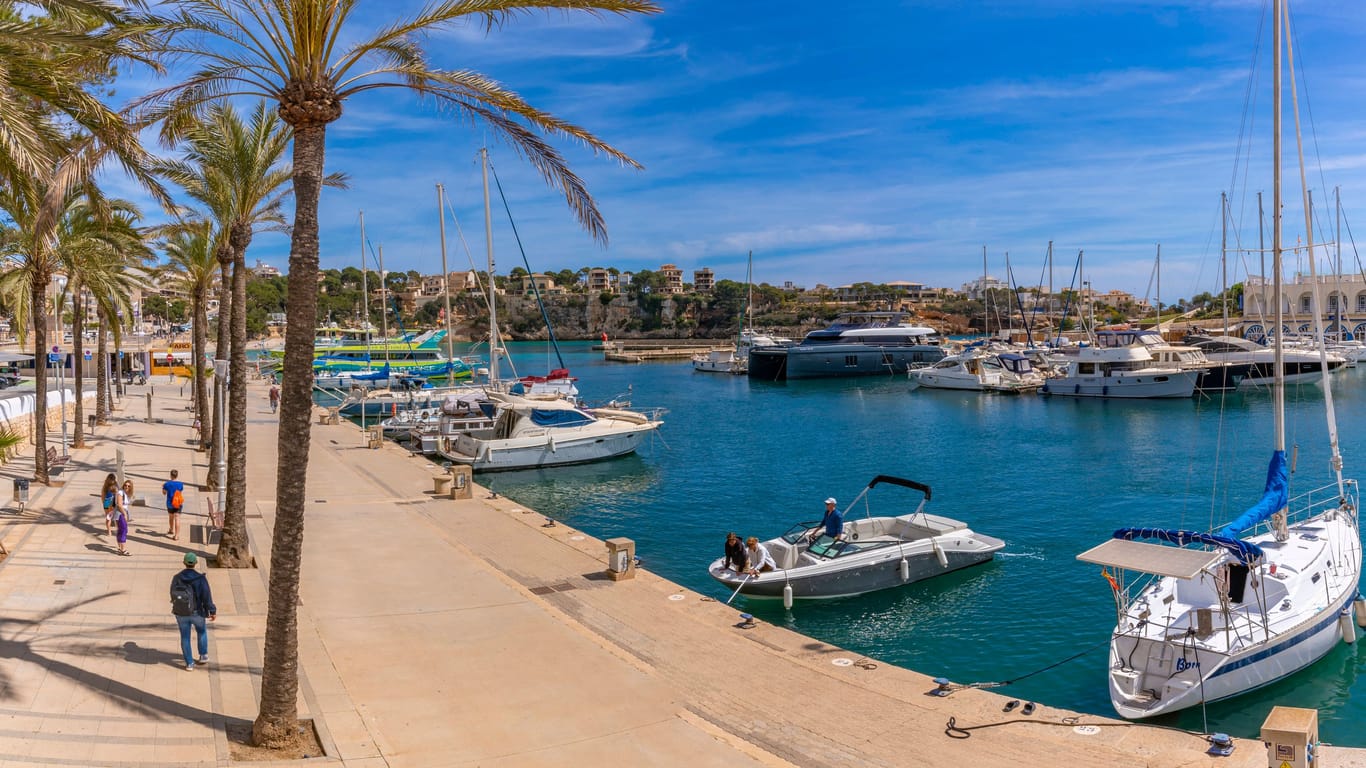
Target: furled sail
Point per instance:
(1274, 498)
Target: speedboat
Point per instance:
(541, 433)
(855, 344)
(874, 552)
(979, 370)
(1301, 366)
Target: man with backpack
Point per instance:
(175, 501)
(192, 604)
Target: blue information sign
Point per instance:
(54, 358)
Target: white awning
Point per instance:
(15, 357)
(1153, 558)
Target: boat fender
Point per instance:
(940, 554)
(1349, 631)
(1076, 389)
(550, 441)
(787, 596)
(1360, 605)
(1105, 390)
(905, 568)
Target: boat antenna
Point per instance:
(535, 290)
(1336, 456)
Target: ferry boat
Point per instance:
(419, 356)
(855, 344)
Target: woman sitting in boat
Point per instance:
(735, 553)
(760, 561)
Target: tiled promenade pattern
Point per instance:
(446, 633)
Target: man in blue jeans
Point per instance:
(192, 604)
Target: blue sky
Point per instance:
(869, 140)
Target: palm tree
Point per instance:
(235, 170)
(92, 243)
(49, 57)
(308, 57)
(191, 250)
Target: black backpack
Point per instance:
(183, 602)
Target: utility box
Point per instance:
(21, 490)
(375, 436)
(621, 559)
(462, 481)
(1291, 735)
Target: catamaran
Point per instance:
(1226, 611)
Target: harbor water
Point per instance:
(1051, 476)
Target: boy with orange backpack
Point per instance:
(175, 501)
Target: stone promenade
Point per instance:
(436, 632)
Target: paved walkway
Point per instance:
(447, 633)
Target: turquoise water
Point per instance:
(1052, 477)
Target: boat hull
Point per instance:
(1252, 668)
(533, 453)
(1174, 384)
(819, 361)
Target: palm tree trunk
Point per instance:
(232, 547)
(38, 313)
(102, 405)
(276, 724)
(199, 341)
(78, 362)
(219, 351)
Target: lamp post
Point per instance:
(61, 358)
(220, 375)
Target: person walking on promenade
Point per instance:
(192, 604)
(121, 519)
(109, 499)
(175, 501)
(274, 398)
(127, 491)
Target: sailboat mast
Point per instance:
(445, 272)
(1159, 289)
(1261, 251)
(1317, 306)
(1337, 265)
(383, 302)
(495, 343)
(986, 296)
(364, 294)
(1223, 256)
(1278, 387)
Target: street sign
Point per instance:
(56, 349)
(87, 355)
(54, 358)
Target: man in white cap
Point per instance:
(832, 524)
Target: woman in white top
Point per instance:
(760, 561)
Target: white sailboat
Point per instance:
(550, 430)
(1222, 613)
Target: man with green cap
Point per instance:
(192, 604)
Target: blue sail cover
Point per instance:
(1245, 552)
(1274, 498)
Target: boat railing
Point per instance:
(1314, 502)
(1237, 634)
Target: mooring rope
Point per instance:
(999, 683)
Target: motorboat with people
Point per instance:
(870, 553)
(855, 344)
(1207, 615)
(531, 433)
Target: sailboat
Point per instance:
(530, 432)
(1225, 611)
